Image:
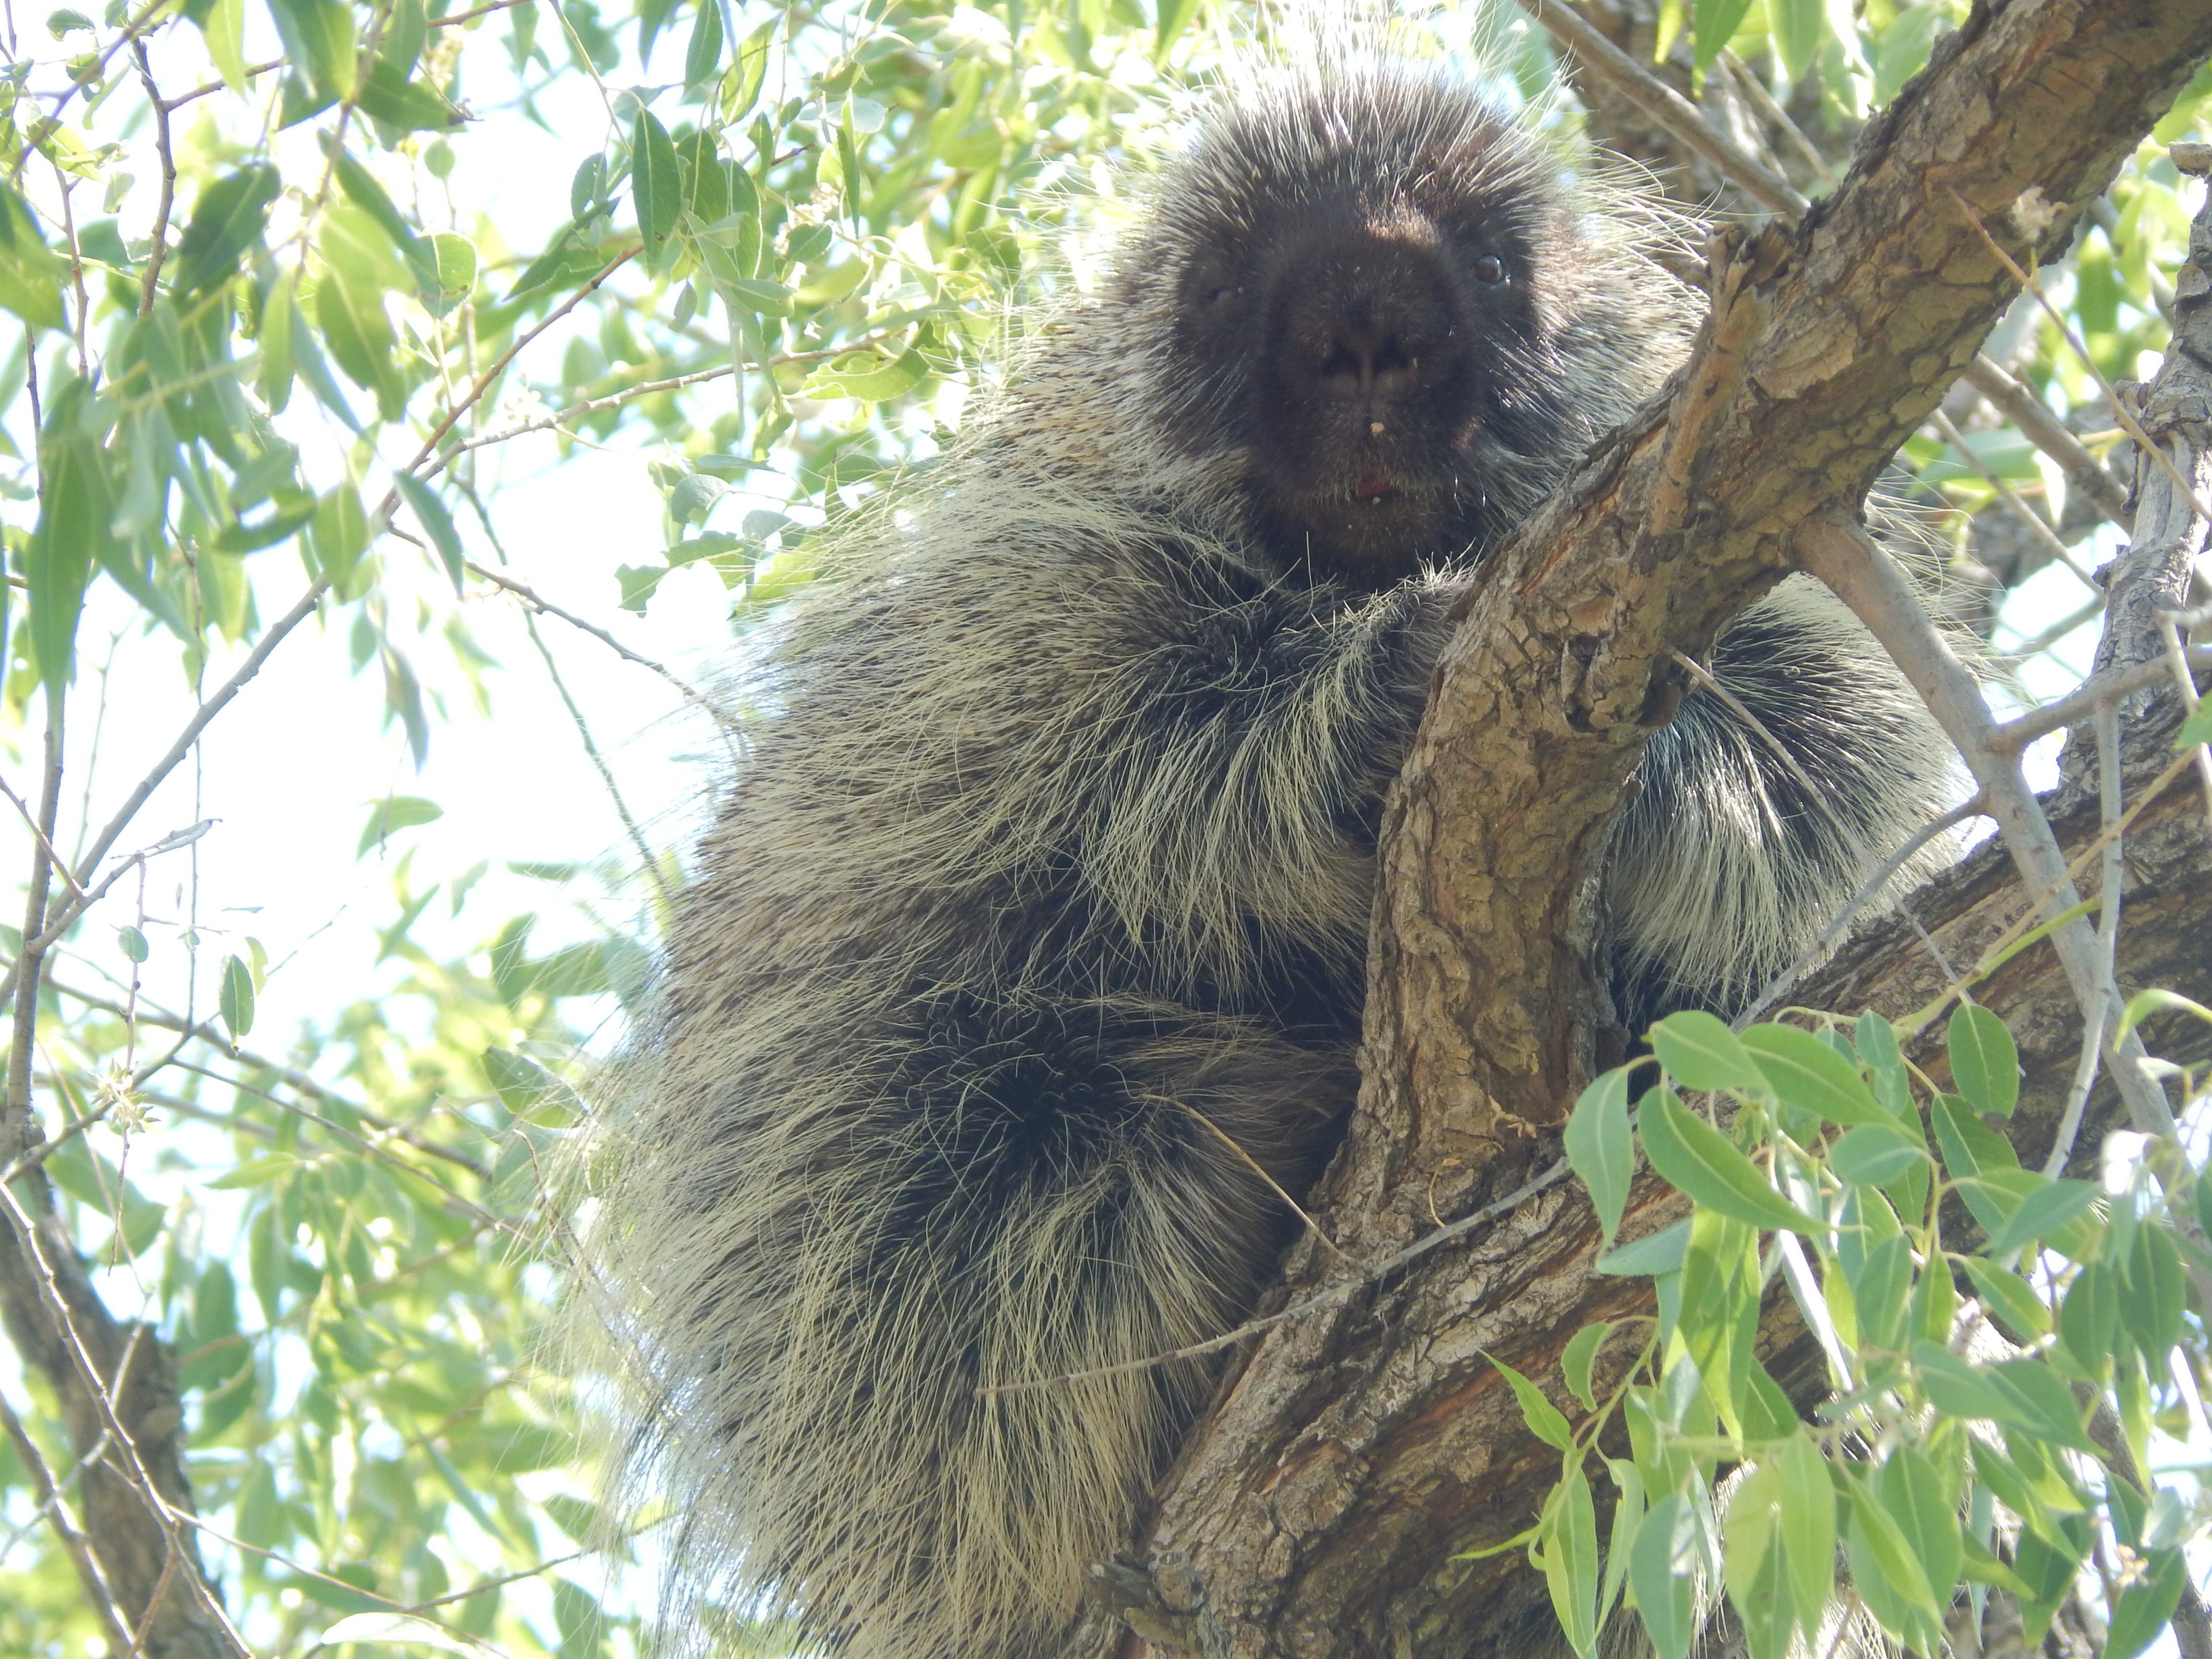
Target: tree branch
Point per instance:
(1366, 1446)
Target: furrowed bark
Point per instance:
(1367, 1443)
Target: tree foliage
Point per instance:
(286, 315)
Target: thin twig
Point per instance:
(651, 865)
(161, 245)
(1872, 885)
(2170, 624)
(2100, 1013)
(293, 1077)
(2085, 699)
(2005, 493)
(2020, 405)
(122, 1452)
(391, 501)
(271, 637)
(571, 413)
(1668, 108)
(1748, 83)
(2120, 410)
(2036, 645)
(47, 124)
(1867, 579)
(471, 17)
(16, 1128)
(30, 820)
(54, 1508)
(530, 597)
(214, 87)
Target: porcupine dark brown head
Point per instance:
(1380, 297)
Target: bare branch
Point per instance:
(1667, 107)
(271, 637)
(530, 597)
(53, 1507)
(2027, 515)
(161, 247)
(2017, 404)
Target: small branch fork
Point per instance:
(1677, 116)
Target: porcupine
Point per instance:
(1023, 962)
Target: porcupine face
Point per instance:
(1367, 282)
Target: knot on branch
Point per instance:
(1742, 272)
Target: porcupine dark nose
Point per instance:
(1363, 311)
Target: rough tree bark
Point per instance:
(1365, 1443)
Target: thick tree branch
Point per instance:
(1367, 1445)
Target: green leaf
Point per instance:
(235, 1001)
(1888, 1578)
(1879, 1290)
(396, 812)
(637, 583)
(352, 316)
(1700, 1052)
(2011, 1297)
(437, 523)
(703, 58)
(1700, 1161)
(530, 1092)
(362, 189)
(254, 1172)
(227, 218)
(2143, 1004)
(1874, 1155)
(1661, 1252)
(1914, 1493)
(1970, 1146)
(1571, 1559)
(568, 261)
(2024, 1393)
(1175, 16)
(1799, 29)
(319, 39)
(1717, 22)
(1602, 1149)
(656, 185)
(1662, 1576)
(2089, 1317)
(284, 521)
(1807, 1073)
(2157, 1290)
(278, 313)
(2042, 1214)
(1984, 1060)
(865, 375)
(132, 944)
(741, 86)
(31, 275)
(1754, 1563)
(447, 272)
(1545, 1419)
(341, 533)
(409, 105)
(1808, 1525)
(1575, 1359)
(74, 509)
(2146, 1606)
(763, 299)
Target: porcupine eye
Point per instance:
(1490, 270)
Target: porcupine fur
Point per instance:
(1032, 928)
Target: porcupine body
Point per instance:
(1031, 930)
